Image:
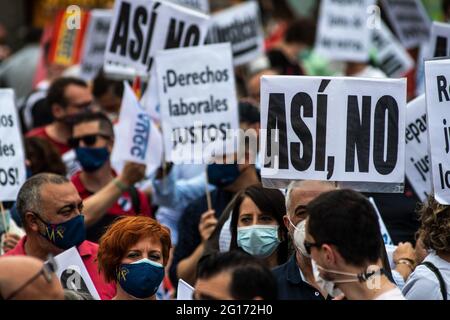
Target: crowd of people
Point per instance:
(214, 226)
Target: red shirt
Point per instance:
(88, 253)
(42, 133)
(123, 206)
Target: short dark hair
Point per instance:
(56, 92)
(268, 201)
(248, 112)
(102, 84)
(250, 278)
(29, 196)
(445, 6)
(346, 219)
(105, 123)
(301, 31)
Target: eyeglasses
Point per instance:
(308, 245)
(48, 269)
(89, 140)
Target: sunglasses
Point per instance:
(308, 245)
(48, 269)
(88, 140)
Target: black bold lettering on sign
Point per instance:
(173, 37)
(358, 134)
(386, 104)
(276, 120)
(136, 45)
(321, 127)
(192, 36)
(441, 49)
(120, 37)
(442, 88)
(301, 101)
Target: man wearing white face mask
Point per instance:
(295, 278)
(343, 238)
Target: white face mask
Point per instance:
(299, 237)
(330, 286)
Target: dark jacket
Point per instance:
(290, 283)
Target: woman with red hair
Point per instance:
(133, 253)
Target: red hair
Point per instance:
(122, 235)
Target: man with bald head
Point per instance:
(26, 278)
(295, 278)
(51, 212)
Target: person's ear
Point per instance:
(329, 254)
(286, 221)
(31, 221)
(58, 111)
(110, 145)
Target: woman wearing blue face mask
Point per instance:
(257, 225)
(133, 253)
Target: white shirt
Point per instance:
(394, 294)
(423, 284)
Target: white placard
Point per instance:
(241, 26)
(409, 20)
(439, 43)
(184, 291)
(198, 101)
(332, 128)
(12, 156)
(73, 274)
(437, 80)
(201, 5)
(150, 99)
(390, 55)
(142, 27)
(343, 32)
(136, 137)
(418, 165)
(384, 232)
(94, 47)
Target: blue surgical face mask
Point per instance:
(140, 279)
(258, 240)
(29, 173)
(67, 234)
(222, 175)
(92, 159)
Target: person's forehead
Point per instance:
(86, 128)
(149, 243)
(304, 194)
(59, 194)
(76, 92)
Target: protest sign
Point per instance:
(201, 5)
(390, 56)
(12, 156)
(198, 101)
(137, 138)
(437, 79)
(241, 26)
(359, 138)
(409, 20)
(95, 43)
(418, 166)
(67, 38)
(343, 33)
(73, 274)
(384, 232)
(439, 43)
(142, 27)
(184, 290)
(150, 99)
